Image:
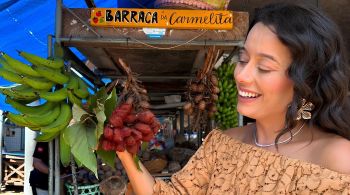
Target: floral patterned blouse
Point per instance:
(223, 165)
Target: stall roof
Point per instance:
(164, 65)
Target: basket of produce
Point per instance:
(114, 185)
(192, 4)
(84, 190)
(156, 165)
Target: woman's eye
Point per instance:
(263, 70)
(242, 62)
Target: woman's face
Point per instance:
(261, 75)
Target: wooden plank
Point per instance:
(75, 27)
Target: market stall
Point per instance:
(165, 61)
(155, 72)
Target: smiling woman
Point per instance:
(293, 79)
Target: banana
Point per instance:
(19, 120)
(46, 137)
(31, 110)
(45, 119)
(38, 83)
(74, 99)
(61, 122)
(82, 92)
(55, 96)
(18, 96)
(73, 82)
(6, 66)
(11, 76)
(51, 74)
(19, 66)
(25, 90)
(39, 61)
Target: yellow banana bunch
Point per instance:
(39, 61)
(20, 67)
(61, 121)
(51, 74)
(45, 79)
(77, 90)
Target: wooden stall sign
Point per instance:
(162, 18)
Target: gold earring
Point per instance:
(305, 110)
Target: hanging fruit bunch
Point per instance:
(202, 93)
(43, 79)
(131, 122)
(227, 115)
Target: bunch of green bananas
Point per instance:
(226, 115)
(44, 79)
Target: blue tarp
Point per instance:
(26, 24)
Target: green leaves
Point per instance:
(77, 135)
(111, 103)
(82, 136)
(107, 157)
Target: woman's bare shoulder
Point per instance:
(336, 154)
(239, 133)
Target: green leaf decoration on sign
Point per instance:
(107, 157)
(79, 138)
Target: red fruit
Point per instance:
(130, 118)
(117, 136)
(116, 121)
(95, 20)
(146, 117)
(133, 149)
(98, 14)
(104, 144)
(147, 137)
(136, 134)
(155, 126)
(111, 146)
(108, 133)
(120, 147)
(126, 107)
(143, 128)
(121, 113)
(129, 141)
(125, 131)
(107, 145)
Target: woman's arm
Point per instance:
(40, 165)
(192, 179)
(142, 182)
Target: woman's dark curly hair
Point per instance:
(319, 70)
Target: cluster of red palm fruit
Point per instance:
(126, 129)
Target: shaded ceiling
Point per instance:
(164, 65)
